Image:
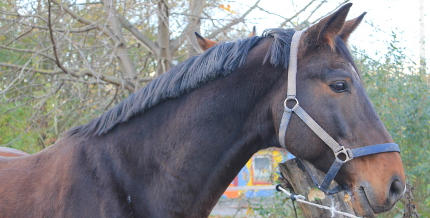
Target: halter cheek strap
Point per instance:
(342, 154)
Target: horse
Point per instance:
(11, 152)
(172, 148)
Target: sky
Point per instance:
(383, 19)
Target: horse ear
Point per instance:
(204, 43)
(350, 26)
(253, 33)
(326, 30)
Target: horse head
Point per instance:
(330, 90)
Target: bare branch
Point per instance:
(196, 10)
(42, 71)
(110, 79)
(83, 20)
(113, 98)
(151, 46)
(54, 46)
(297, 14)
(340, 5)
(71, 30)
(78, 74)
(233, 22)
(28, 51)
(121, 50)
(73, 14)
(17, 38)
(146, 79)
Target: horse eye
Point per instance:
(338, 86)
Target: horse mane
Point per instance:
(189, 75)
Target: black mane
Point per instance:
(216, 62)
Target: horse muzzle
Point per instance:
(369, 201)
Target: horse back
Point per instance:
(10, 152)
(56, 182)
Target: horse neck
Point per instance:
(188, 150)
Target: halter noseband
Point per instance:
(342, 154)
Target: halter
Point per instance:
(342, 154)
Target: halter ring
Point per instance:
(346, 152)
(291, 98)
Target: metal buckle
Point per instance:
(346, 154)
(291, 98)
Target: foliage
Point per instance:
(276, 206)
(400, 94)
(13, 124)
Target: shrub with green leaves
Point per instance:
(400, 94)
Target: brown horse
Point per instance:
(172, 148)
(10, 152)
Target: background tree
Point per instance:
(65, 62)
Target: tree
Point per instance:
(64, 62)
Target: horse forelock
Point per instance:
(189, 75)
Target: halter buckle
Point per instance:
(343, 154)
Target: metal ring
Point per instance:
(346, 152)
(288, 99)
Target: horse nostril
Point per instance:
(396, 189)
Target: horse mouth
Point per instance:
(364, 201)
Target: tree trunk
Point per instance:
(196, 9)
(296, 174)
(163, 57)
(121, 51)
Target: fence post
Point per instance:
(298, 177)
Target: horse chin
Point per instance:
(361, 203)
(368, 203)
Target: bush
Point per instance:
(400, 94)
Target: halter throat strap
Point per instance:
(342, 154)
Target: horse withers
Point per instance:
(172, 148)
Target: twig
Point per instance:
(297, 14)
(14, 40)
(27, 51)
(54, 46)
(113, 98)
(233, 22)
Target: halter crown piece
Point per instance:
(342, 154)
